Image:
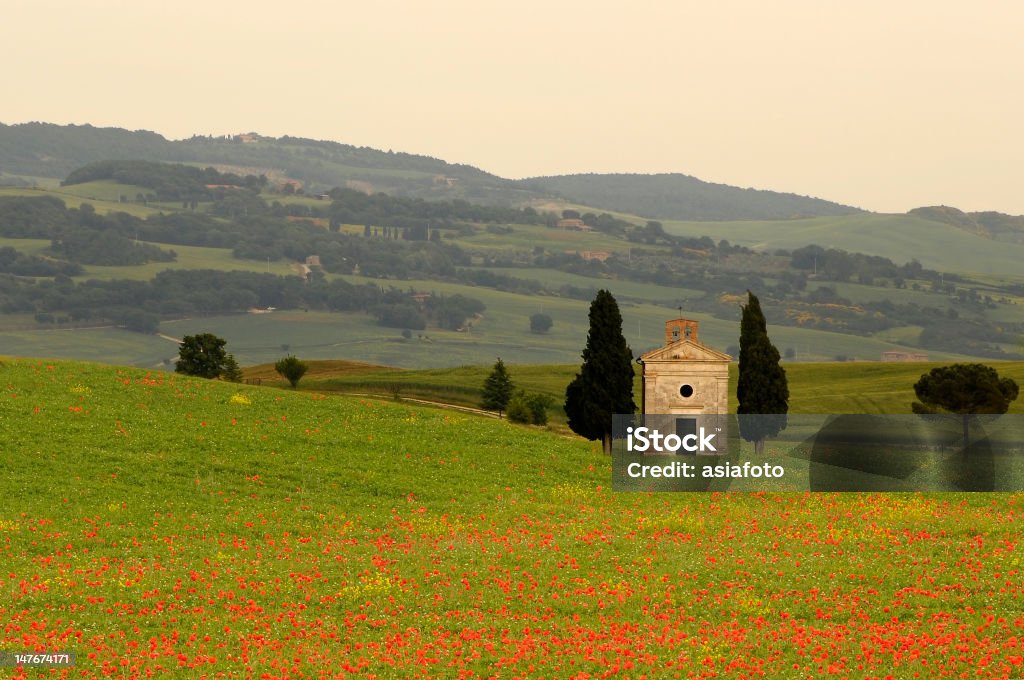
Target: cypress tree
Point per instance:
(497, 388)
(762, 389)
(604, 385)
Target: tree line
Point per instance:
(78, 235)
(140, 305)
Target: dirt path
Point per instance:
(425, 402)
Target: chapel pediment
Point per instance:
(684, 350)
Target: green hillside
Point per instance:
(155, 247)
(155, 524)
(901, 238)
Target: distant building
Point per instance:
(313, 261)
(573, 224)
(904, 356)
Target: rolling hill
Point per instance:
(43, 150)
(511, 262)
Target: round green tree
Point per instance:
(966, 390)
(201, 355)
(604, 385)
(541, 323)
(762, 390)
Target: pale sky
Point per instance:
(884, 105)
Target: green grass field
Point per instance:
(190, 257)
(106, 345)
(503, 331)
(106, 190)
(160, 525)
(29, 246)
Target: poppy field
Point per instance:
(164, 526)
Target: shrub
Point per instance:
(291, 369)
(232, 372)
(539, 405)
(518, 409)
(529, 408)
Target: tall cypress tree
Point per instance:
(604, 385)
(497, 388)
(762, 390)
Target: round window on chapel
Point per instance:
(686, 391)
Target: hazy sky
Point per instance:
(882, 105)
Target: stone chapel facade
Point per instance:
(685, 379)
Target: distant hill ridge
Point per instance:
(676, 196)
(45, 150)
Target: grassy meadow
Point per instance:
(158, 525)
(504, 330)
